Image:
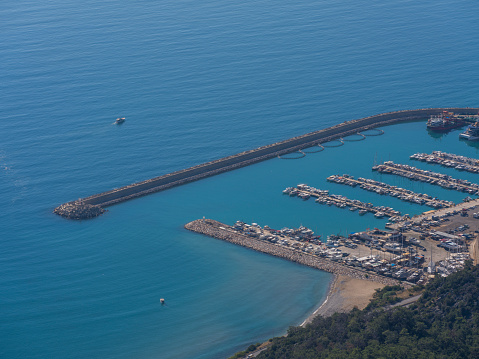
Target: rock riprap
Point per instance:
(78, 210)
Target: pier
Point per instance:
(347, 128)
(393, 191)
(323, 197)
(434, 178)
(444, 159)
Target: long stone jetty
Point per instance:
(221, 231)
(105, 199)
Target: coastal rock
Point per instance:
(78, 210)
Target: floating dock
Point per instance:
(393, 191)
(94, 203)
(434, 178)
(323, 197)
(444, 159)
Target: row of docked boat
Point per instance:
(293, 191)
(301, 239)
(323, 197)
(300, 234)
(393, 191)
(337, 249)
(433, 178)
(458, 162)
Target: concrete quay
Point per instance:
(443, 212)
(223, 232)
(256, 155)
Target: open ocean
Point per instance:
(197, 81)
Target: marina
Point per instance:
(323, 197)
(393, 191)
(199, 83)
(444, 159)
(434, 178)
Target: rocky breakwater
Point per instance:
(263, 153)
(224, 232)
(78, 210)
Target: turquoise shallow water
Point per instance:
(197, 81)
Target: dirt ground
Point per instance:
(474, 250)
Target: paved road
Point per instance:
(406, 301)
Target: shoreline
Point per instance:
(335, 302)
(317, 311)
(348, 288)
(344, 294)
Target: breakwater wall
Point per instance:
(253, 156)
(221, 231)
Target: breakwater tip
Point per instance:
(78, 210)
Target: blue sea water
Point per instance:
(198, 81)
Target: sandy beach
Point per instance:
(344, 294)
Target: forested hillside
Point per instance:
(442, 324)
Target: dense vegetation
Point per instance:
(244, 353)
(442, 324)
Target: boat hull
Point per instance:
(469, 137)
(444, 122)
(472, 133)
(445, 128)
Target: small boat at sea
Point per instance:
(162, 301)
(472, 133)
(119, 120)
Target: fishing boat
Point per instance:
(119, 120)
(472, 132)
(445, 121)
